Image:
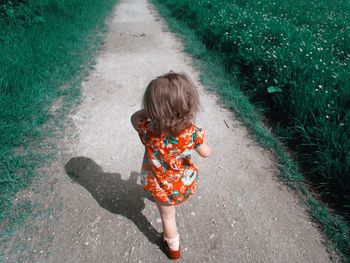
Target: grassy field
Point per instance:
(292, 63)
(46, 45)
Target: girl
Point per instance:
(165, 126)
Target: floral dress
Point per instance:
(167, 170)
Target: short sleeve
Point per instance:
(142, 130)
(198, 137)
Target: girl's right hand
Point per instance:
(137, 117)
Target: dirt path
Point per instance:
(240, 212)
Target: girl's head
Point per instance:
(171, 101)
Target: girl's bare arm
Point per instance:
(204, 150)
(138, 116)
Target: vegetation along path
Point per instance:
(240, 212)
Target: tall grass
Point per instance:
(300, 84)
(44, 45)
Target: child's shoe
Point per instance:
(172, 254)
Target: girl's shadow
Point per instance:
(124, 197)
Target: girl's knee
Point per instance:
(166, 211)
(169, 213)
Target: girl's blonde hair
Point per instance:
(171, 101)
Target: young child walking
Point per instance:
(166, 129)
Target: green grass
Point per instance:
(295, 67)
(46, 48)
(219, 73)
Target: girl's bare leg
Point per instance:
(167, 213)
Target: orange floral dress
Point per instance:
(167, 170)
